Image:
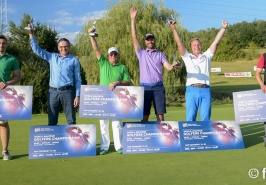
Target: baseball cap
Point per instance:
(149, 35)
(112, 49)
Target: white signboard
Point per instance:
(217, 69)
(238, 74)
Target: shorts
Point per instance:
(154, 95)
(3, 121)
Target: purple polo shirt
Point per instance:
(151, 65)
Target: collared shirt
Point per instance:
(8, 64)
(64, 71)
(110, 73)
(198, 69)
(151, 65)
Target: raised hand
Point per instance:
(133, 12)
(224, 24)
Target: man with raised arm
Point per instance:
(65, 79)
(112, 74)
(198, 92)
(151, 63)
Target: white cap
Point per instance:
(112, 49)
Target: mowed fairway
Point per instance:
(228, 167)
(189, 168)
(220, 83)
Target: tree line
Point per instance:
(114, 29)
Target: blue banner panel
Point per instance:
(16, 103)
(62, 141)
(210, 135)
(151, 137)
(172, 136)
(249, 106)
(124, 102)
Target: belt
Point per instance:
(62, 88)
(199, 85)
(152, 84)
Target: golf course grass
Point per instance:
(227, 167)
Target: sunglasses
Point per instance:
(113, 54)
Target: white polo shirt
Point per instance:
(198, 69)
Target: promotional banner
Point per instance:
(238, 74)
(249, 106)
(210, 135)
(217, 69)
(151, 137)
(16, 103)
(124, 102)
(62, 141)
(171, 136)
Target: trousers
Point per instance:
(198, 98)
(117, 126)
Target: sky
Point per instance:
(69, 16)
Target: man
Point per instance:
(151, 63)
(112, 73)
(198, 93)
(65, 80)
(259, 70)
(8, 65)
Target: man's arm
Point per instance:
(180, 45)
(35, 46)
(112, 85)
(259, 79)
(136, 43)
(77, 82)
(124, 82)
(94, 44)
(16, 78)
(170, 67)
(218, 37)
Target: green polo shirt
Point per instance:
(110, 73)
(8, 64)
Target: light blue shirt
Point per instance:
(64, 71)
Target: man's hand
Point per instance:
(133, 12)
(76, 102)
(2, 85)
(263, 88)
(91, 30)
(224, 24)
(112, 85)
(176, 65)
(171, 22)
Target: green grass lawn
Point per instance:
(228, 167)
(220, 83)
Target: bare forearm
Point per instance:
(13, 81)
(259, 79)
(180, 45)
(219, 36)
(95, 47)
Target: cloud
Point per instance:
(64, 18)
(65, 21)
